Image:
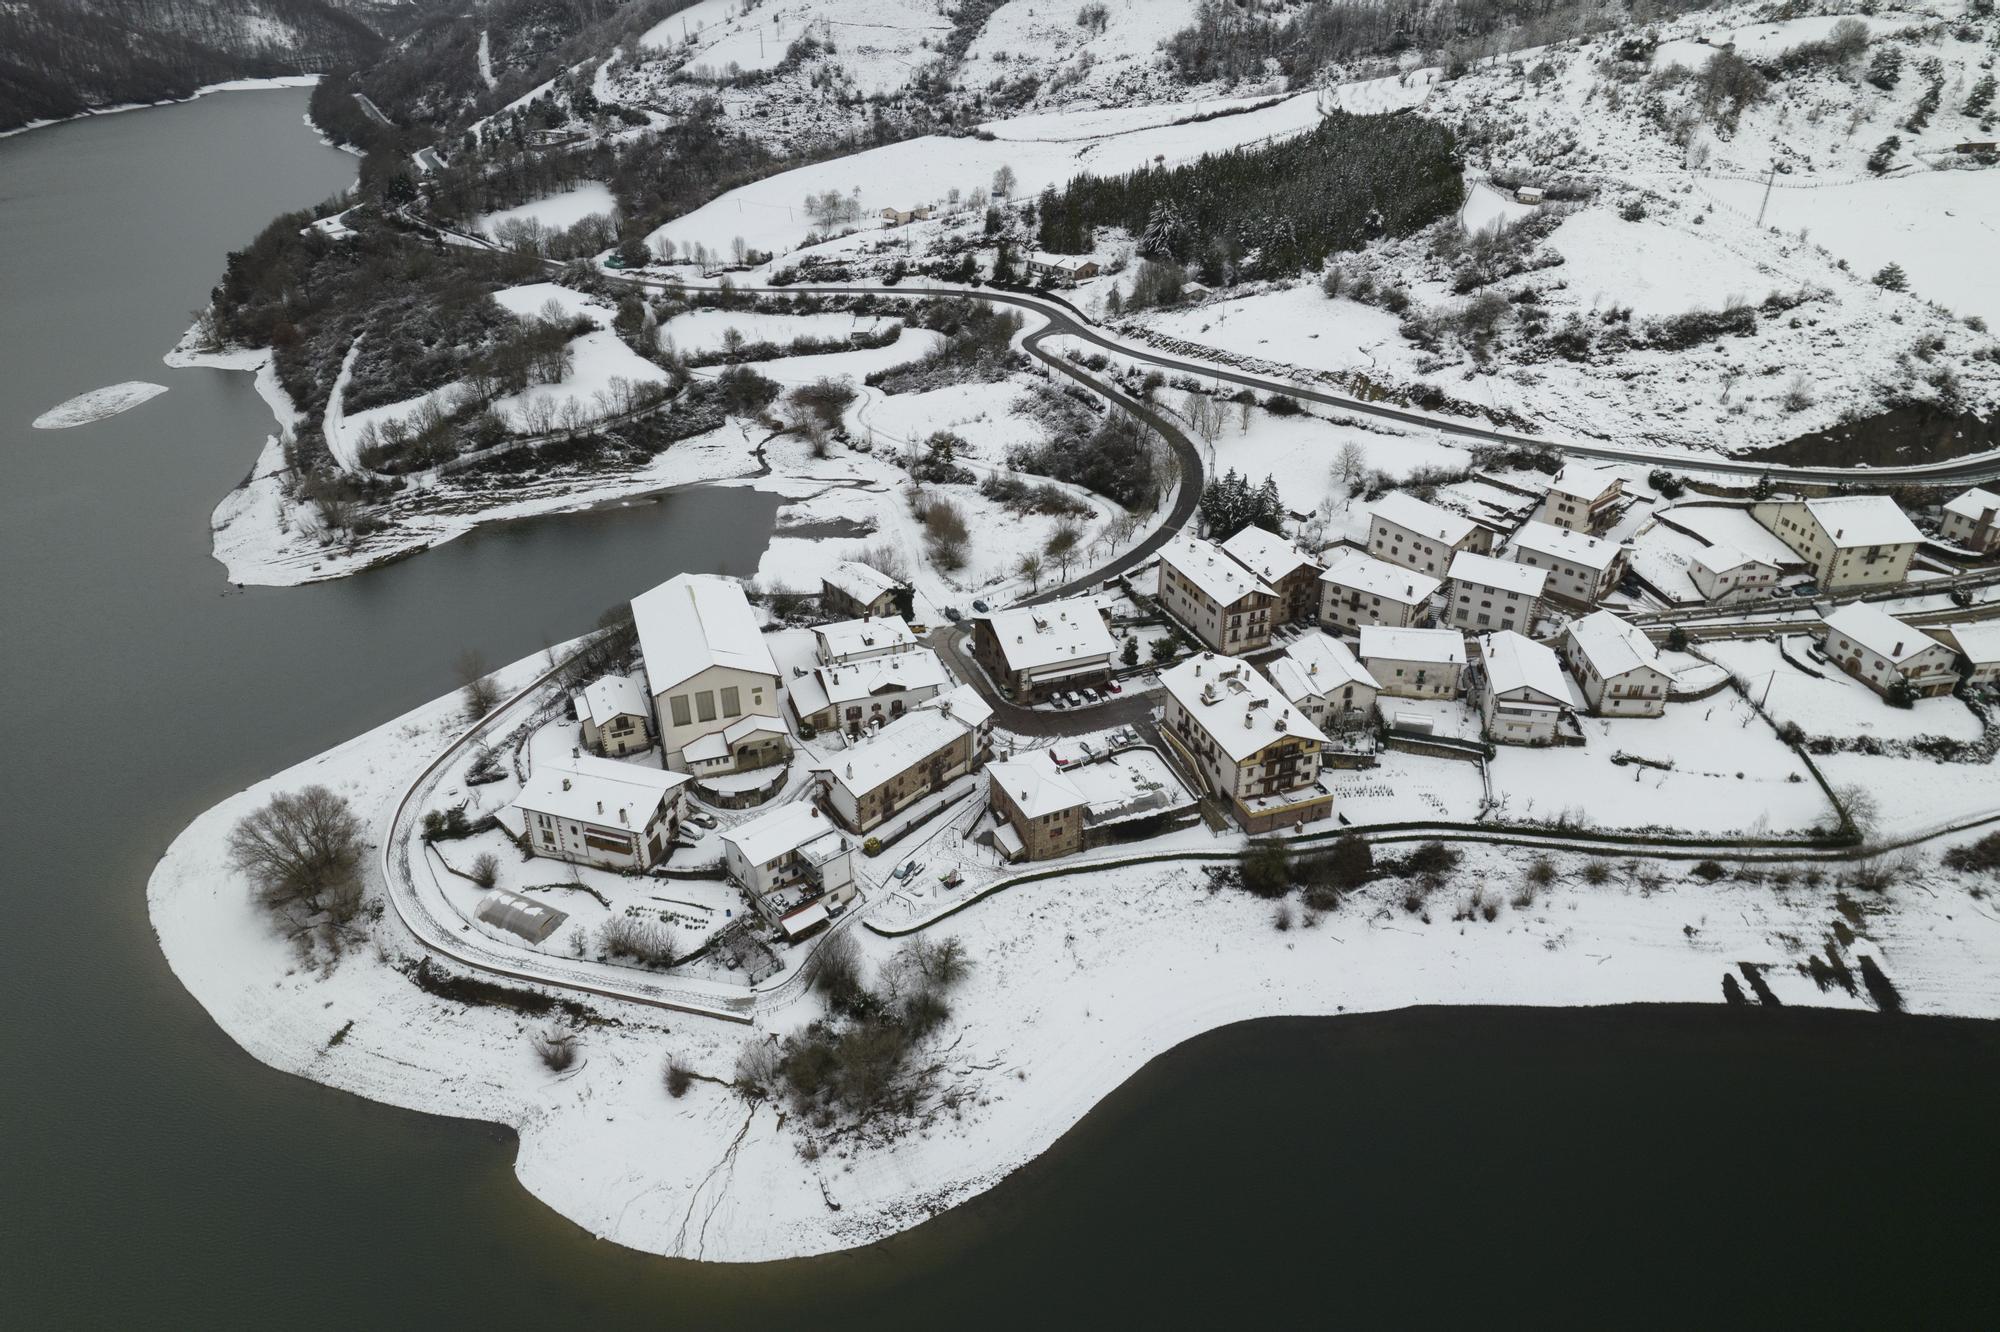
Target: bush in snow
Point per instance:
(1891, 278)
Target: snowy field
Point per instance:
(1045, 39)
(1762, 41)
(1651, 269)
(1296, 325)
(705, 330)
(1303, 452)
(1837, 705)
(1075, 983)
(877, 41)
(98, 405)
(1943, 227)
(555, 212)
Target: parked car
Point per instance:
(954, 614)
(1057, 699)
(980, 606)
(703, 817)
(906, 869)
(692, 832)
(1113, 687)
(1075, 700)
(1089, 695)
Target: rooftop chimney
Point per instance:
(565, 783)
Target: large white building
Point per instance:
(1881, 651)
(1252, 748)
(856, 694)
(1582, 569)
(1325, 680)
(1582, 498)
(881, 775)
(790, 856)
(1972, 521)
(1487, 594)
(1036, 651)
(1414, 663)
(1618, 667)
(1360, 590)
(857, 640)
(1523, 693)
(1229, 608)
(1417, 535)
(707, 665)
(599, 811)
(1848, 541)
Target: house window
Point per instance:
(732, 702)
(682, 717)
(704, 705)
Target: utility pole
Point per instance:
(1769, 180)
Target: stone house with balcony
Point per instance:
(1617, 667)
(1848, 541)
(1253, 750)
(1405, 530)
(1223, 604)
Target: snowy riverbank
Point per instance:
(227, 85)
(1076, 983)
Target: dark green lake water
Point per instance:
(1660, 1166)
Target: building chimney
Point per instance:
(600, 807)
(1898, 650)
(565, 783)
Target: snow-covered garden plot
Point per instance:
(1731, 774)
(1836, 704)
(1941, 227)
(981, 414)
(700, 331)
(1407, 788)
(1486, 205)
(1913, 795)
(556, 211)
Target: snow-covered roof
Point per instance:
(1584, 482)
(524, 916)
(1238, 708)
(780, 832)
(876, 633)
(1979, 642)
(1514, 661)
(1379, 578)
(694, 621)
(1879, 632)
(1585, 552)
(597, 790)
(1612, 646)
(897, 673)
(964, 703)
(1065, 262)
(863, 582)
(1444, 647)
(1035, 785)
(717, 744)
(1428, 520)
(1485, 571)
(1863, 520)
(1723, 559)
(897, 747)
(611, 696)
(1220, 578)
(1266, 554)
(1055, 633)
(1320, 664)
(1974, 504)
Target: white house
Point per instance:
(789, 856)
(1289, 571)
(599, 811)
(1065, 270)
(1848, 541)
(857, 640)
(1250, 745)
(707, 665)
(1036, 651)
(853, 588)
(1523, 693)
(1724, 573)
(1618, 667)
(1407, 531)
(1228, 607)
(1881, 651)
(1487, 594)
(1979, 651)
(1972, 521)
(1039, 811)
(1414, 663)
(1361, 590)
(880, 775)
(1582, 499)
(868, 691)
(615, 714)
(1582, 569)
(1323, 678)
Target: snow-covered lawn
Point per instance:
(855, 366)
(1837, 705)
(556, 211)
(1486, 206)
(1652, 269)
(1295, 325)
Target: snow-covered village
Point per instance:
(871, 574)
